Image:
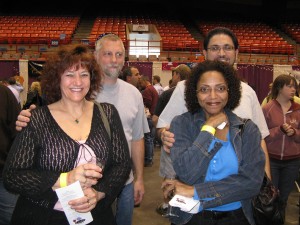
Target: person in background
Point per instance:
(34, 96)
(157, 84)
(223, 167)
(181, 72)
(9, 112)
(70, 130)
(150, 98)
(169, 85)
(219, 44)
(132, 75)
(16, 88)
(269, 97)
(18, 85)
(282, 114)
(158, 87)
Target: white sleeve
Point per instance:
(250, 108)
(259, 118)
(140, 124)
(176, 106)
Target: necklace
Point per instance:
(76, 119)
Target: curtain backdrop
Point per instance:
(258, 77)
(8, 68)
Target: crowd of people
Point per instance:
(217, 141)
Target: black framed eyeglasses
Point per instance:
(217, 48)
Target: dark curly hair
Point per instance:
(66, 57)
(229, 73)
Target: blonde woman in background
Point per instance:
(34, 95)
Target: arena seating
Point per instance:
(292, 29)
(255, 38)
(37, 29)
(175, 36)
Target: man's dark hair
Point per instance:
(156, 77)
(145, 78)
(127, 72)
(220, 30)
(11, 80)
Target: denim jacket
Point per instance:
(190, 158)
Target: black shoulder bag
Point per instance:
(266, 206)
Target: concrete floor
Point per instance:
(146, 214)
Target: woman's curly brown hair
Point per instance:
(66, 57)
(230, 76)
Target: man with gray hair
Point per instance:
(110, 55)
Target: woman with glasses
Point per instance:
(216, 155)
(61, 144)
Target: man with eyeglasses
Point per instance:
(219, 44)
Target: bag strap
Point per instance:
(104, 119)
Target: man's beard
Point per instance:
(112, 73)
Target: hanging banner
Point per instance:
(168, 65)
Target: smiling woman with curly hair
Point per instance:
(63, 144)
(215, 164)
(230, 76)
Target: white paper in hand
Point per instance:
(195, 210)
(70, 192)
(185, 204)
